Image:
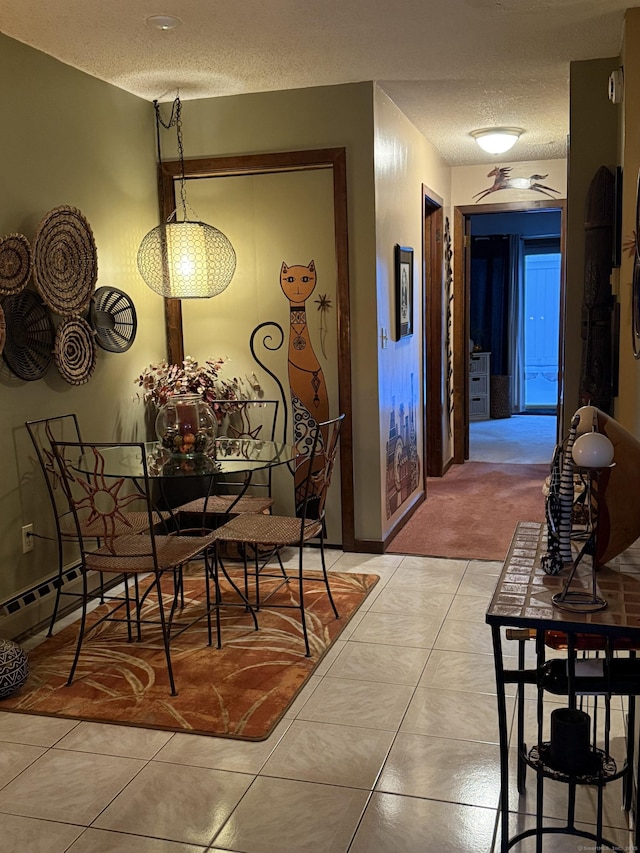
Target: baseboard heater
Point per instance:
(39, 591)
(44, 592)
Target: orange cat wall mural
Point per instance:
(308, 388)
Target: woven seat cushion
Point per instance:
(221, 504)
(276, 530)
(133, 554)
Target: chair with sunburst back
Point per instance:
(255, 534)
(253, 419)
(99, 502)
(43, 433)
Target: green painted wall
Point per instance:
(69, 139)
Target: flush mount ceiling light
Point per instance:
(497, 140)
(184, 259)
(162, 22)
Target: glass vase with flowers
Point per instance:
(187, 417)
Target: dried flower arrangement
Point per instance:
(161, 381)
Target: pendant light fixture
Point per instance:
(184, 259)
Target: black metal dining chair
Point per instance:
(43, 432)
(254, 419)
(255, 534)
(108, 505)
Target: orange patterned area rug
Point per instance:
(239, 691)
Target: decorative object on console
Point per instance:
(65, 261)
(592, 450)
(75, 351)
(184, 259)
(559, 505)
(585, 597)
(112, 316)
(28, 348)
(16, 263)
(611, 494)
(588, 419)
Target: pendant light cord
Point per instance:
(175, 120)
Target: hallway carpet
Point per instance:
(472, 511)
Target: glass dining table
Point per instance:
(179, 477)
(228, 456)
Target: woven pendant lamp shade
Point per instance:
(186, 260)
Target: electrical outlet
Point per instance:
(27, 538)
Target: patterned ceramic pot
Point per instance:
(14, 667)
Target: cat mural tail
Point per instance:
(308, 388)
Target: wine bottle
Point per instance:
(588, 642)
(593, 676)
(582, 642)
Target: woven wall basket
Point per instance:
(16, 263)
(113, 318)
(75, 350)
(28, 348)
(65, 261)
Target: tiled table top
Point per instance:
(523, 593)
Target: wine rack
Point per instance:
(599, 662)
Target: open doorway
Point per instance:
(513, 286)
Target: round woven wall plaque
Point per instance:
(65, 261)
(75, 350)
(16, 263)
(28, 348)
(113, 318)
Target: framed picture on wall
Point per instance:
(404, 292)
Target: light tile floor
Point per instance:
(391, 747)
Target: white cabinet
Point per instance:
(479, 366)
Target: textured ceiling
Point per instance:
(450, 66)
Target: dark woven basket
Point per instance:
(28, 348)
(500, 402)
(113, 318)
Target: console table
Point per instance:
(523, 600)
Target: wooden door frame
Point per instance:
(286, 161)
(461, 276)
(433, 355)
